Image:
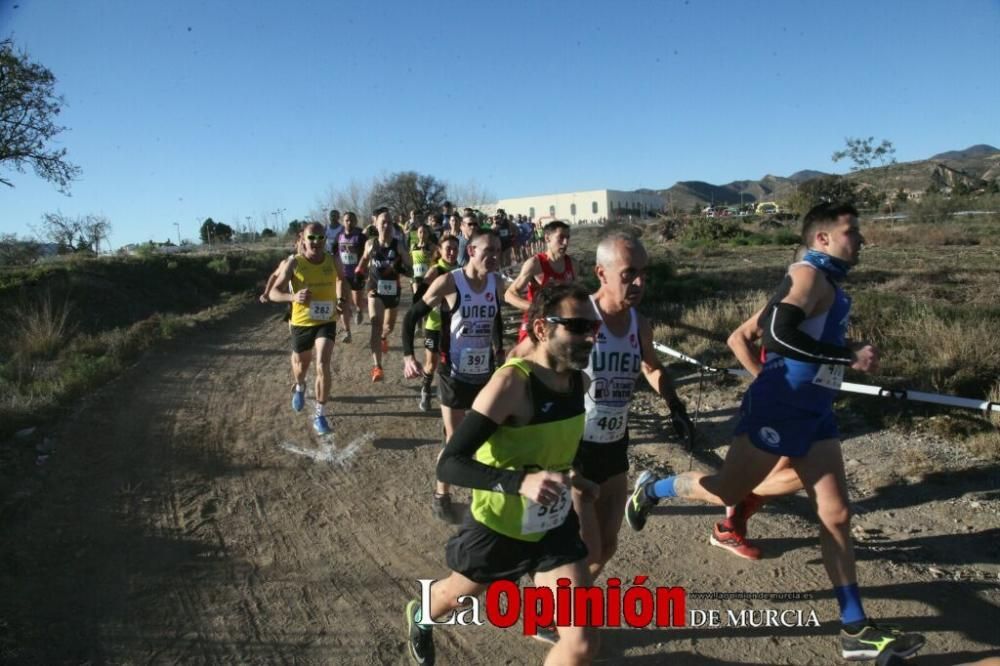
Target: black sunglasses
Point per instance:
(577, 325)
(315, 238)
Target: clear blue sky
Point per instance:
(182, 110)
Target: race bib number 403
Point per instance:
(605, 424)
(540, 518)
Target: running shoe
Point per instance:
(443, 509)
(724, 536)
(419, 640)
(346, 338)
(425, 400)
(637, 509)
(298, 399)
(321, 426)
(377, 374)
(873, 641)
(546, 635)
(385, 346)
(741, 514)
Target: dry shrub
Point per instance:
(984, 445)
(40, 329)
(703, 329)
(951, 352)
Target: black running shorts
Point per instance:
(304, 337)
(455, 393)
(354, 281)
(482, 555)
(389, 302)
(598, 462)
(432, 341)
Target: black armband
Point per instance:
(782, 336)
(457, 465)
(417, 311)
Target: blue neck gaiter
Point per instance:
(835, 269)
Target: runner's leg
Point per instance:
(577, 645)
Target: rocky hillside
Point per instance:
(974, 167)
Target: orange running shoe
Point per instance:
(377, 374)
(726, 538)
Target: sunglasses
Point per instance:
(577, 325)
(315, 238)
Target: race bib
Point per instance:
(829, 376)
(474, 361)
(605, 424)
(386, 288)
(419, 270)
(321, 310)
(504, 233)
(540, 518)
(348, 258)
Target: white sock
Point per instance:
(299, 389)
(319, 408)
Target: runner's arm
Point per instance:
(741, 342)
(780, 322)
(276, 295)
(498, 332)
(492, 406)
(271, 280)
(512, 296)
(657, 377)
(652, 369)
(439, 289)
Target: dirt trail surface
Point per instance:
(174, 524)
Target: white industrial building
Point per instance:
(587, 206)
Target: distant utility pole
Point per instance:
(178, 225)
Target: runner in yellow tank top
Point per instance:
(317, 280)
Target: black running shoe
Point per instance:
(637, 509)
(419, 640)
(874, 641)
(443, 510)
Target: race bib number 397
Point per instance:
(474, 361)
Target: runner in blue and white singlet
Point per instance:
(615, 364)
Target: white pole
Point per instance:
(983, 406)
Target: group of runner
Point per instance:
(541, 433)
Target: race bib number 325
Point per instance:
(540, 518)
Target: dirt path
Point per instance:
(174, 526)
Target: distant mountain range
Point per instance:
(974, 165)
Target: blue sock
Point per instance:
(662, 488)
(849, 600)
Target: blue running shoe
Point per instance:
(298, 400)
(321, 426)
